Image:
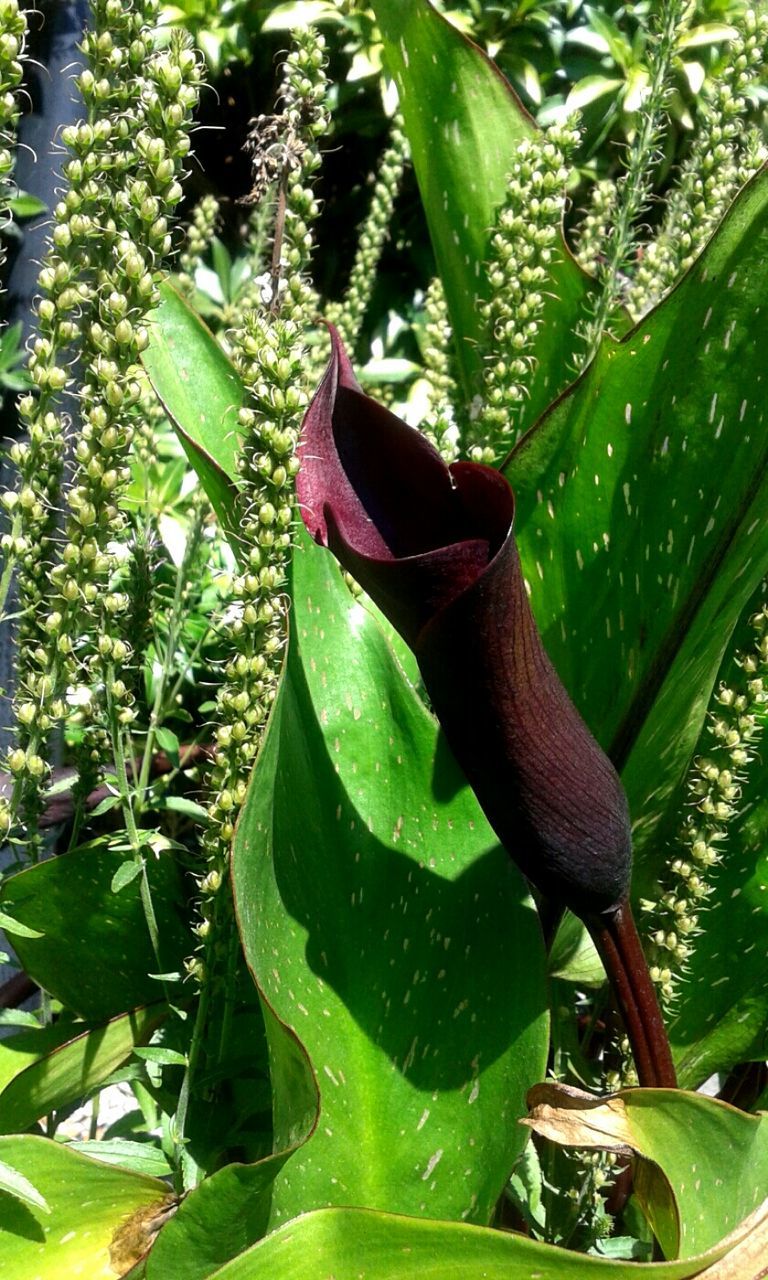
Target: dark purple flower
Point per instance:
(433, 545)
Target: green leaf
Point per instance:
(222, 265)
(377, 940)
(25, 205)
(15, 1184)
(18, 930)
(141, 1157)
(126, 873)
(167, 740)
(704, 1166)
(100, 967)
(223, 1216)
(346, 1243)
(161, 1056)
(70, 1240)
(464, 124)
(201, 393)
(51, 1068)
(641, 511)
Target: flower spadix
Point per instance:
(433, 545)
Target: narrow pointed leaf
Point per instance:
(49, 1069)
(201, 393)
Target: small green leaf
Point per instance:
(161, 1056)
(17, 1185)
(25, 205)
(16, 928)
(126, 873)
(167, 740)
(188, 808)
(105, 806)
(142, 1157)
(18, 1018)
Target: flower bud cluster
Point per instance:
(269, 357)
(200, 233)
(307, 119)
(713, 172)
(111, 229)
(595, 227)
(13, 30)
(348, 315)
(714, 789)
(523, 249)
(443, 393)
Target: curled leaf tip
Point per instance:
(434, 546)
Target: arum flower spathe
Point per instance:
(434, 546)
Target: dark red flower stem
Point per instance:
(616, 938)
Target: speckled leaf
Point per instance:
(351, 1243)
(703, 1167)
(93, 1206)
(201, 393)
(100, 968)
(388, 933)
(47, 1070)
(464, 123)
(642, 500)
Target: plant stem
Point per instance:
(618, 943)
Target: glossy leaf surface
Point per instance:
(201, 393)
(221, 1217)
(464, 123)
(641, 510)
(102, 969)
(64, 1242)
(390, 936)
(347, 1243)
(46, 1070)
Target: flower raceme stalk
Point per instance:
(434, 547)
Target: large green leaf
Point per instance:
(349, 1243)
(464, 123)
(641, 510)
(201, 392)
(388, 933)
(46, 1070)
(219, 1219)
(100, 967)
(704, 1164)
(97, 1212)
